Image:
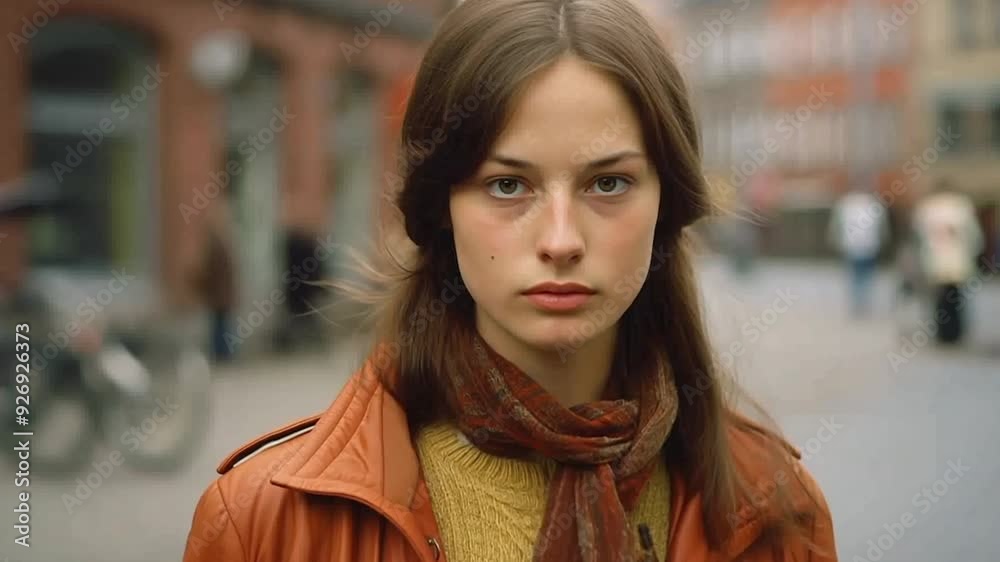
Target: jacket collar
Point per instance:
(362, 433)
(361, 449)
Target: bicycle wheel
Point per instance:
(159, 406)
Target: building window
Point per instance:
(840, 136)
(859, 131)
(712, 148)
(775, 58)
(822, 38)
(840, 37)
(802, 40)
(745, 135)
(353, 157)
(720, 131)
(79, 71)
(785, 134)
(995, 124)
(896, 43)
(715, 59)
(951, 118)
(996, 20)
(889, 133)
(824, 137)
(964, 21)
(745, 51)
(260, 249)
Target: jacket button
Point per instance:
(437, 548)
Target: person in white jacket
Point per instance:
(948, 239)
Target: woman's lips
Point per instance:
(558, 302)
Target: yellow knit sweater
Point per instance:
(490, 508)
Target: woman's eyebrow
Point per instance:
(613, 159)
(592, 165)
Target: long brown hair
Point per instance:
(481, 58)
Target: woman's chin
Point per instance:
(562, 335)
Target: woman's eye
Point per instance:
(505, 188)
(611, 185)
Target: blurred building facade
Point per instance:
(802, 100)
(956, 98)
(148, 114)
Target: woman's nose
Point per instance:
(560, 240)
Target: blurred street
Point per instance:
(877, 440)
(873, 437)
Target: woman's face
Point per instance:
(554, 232)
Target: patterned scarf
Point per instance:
(606, 450)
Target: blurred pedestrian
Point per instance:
(740, 237)
(858, 228)
(216, 279)
(304, 271)
(948, 242)
(541, 386)
(741, 228)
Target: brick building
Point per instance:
(146, 114)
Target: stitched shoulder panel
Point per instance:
(266, 441)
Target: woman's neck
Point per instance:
(573, 375)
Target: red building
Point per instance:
(798, 101)
(147, 114)
(843, 84)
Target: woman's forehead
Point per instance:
(568, 108)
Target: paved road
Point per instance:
(880, 434)
(879, 437)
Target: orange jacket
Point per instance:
(346, 486)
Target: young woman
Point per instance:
(542, 387)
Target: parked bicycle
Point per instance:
(130, 377)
